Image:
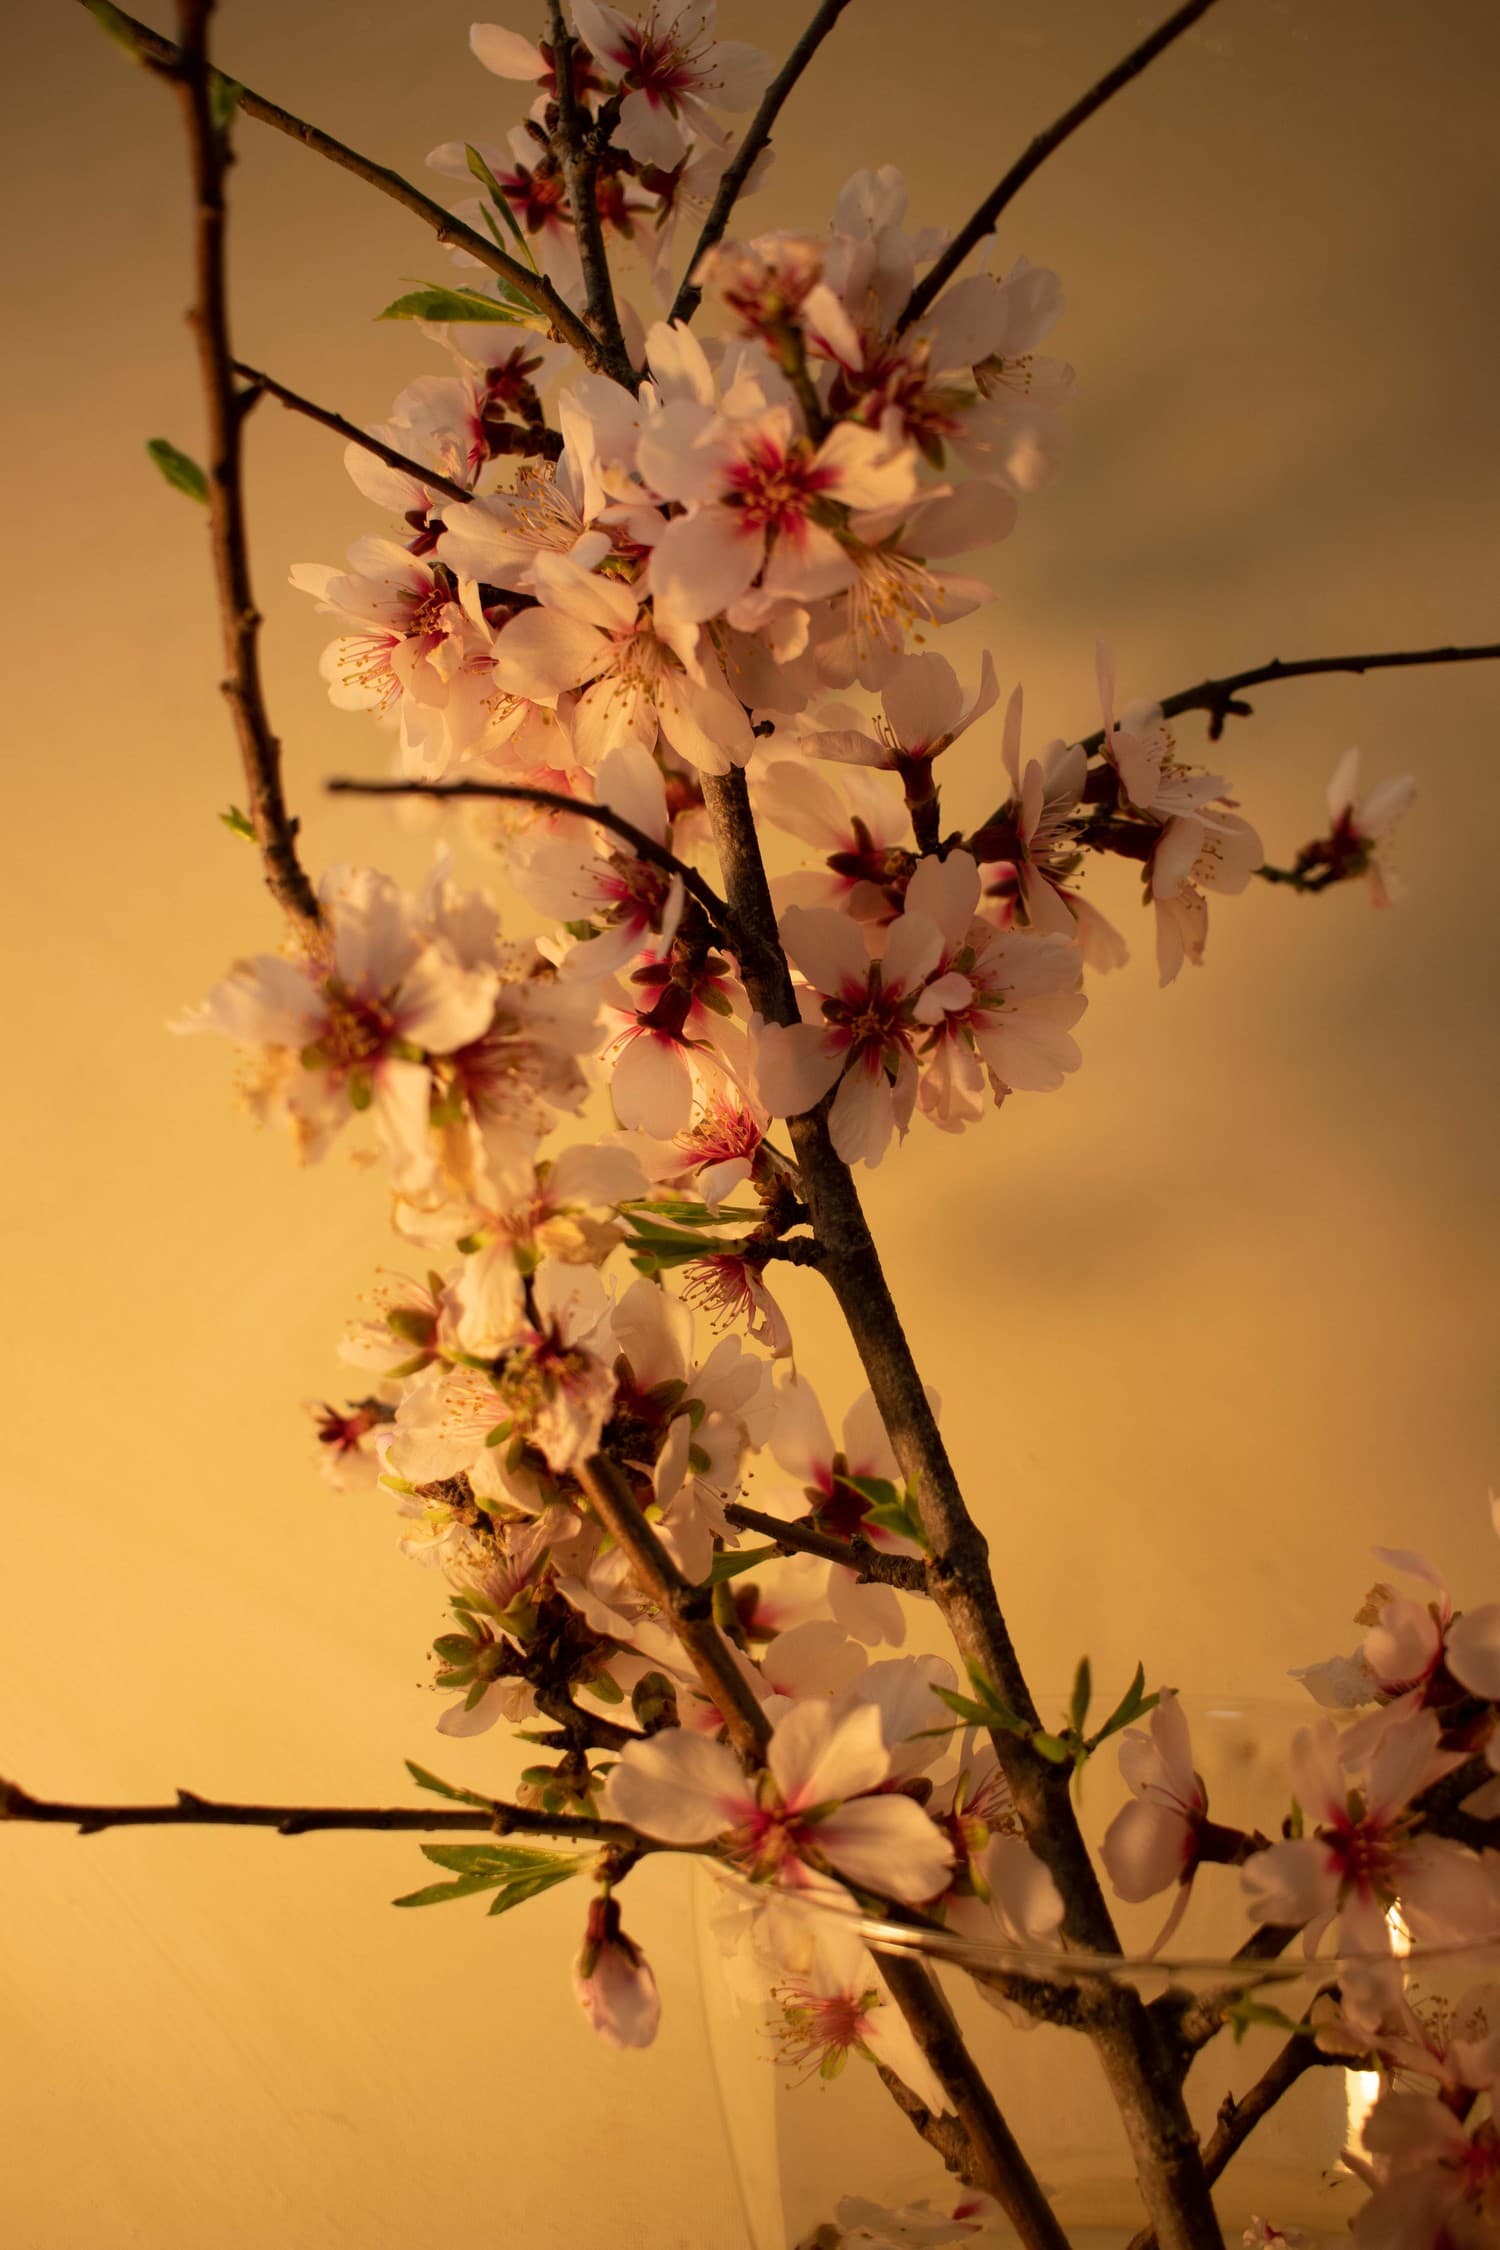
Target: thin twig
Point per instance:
(1238, 2118)
(868, 1564)
(551, 800)
(260, 752)
(257, 382)
(688, 1608)
(495, 1817)
(580, 163)
(535, 288)
(983, 2149)
(741, 164)
(983, 221)
(1221, 698)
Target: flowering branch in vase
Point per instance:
(627, 565)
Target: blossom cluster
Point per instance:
(652, 589)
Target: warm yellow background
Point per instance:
(1208, 1324)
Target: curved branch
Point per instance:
(742, 163)
(537, 291)
(551, 800)
(983, 221)
(260, 751)
(868, 1564)
(1221, 698)
(258, 382)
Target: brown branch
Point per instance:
(551, 800)
(689, 1608)
(535, 288)
(1238, 2119)
(257, 382)
(1134, 2050)
(868, 1564)
(495, 1817)
(742, 163)
(260, 752)
(983, 221)
(583, 1730)
(976, 2142)
(1221, 698)
(574, 143)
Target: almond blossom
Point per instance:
(811, 1807)
(1361, 825)
(839, 2006)
(673, 72)
(1365, 1852)
(1154, 1842)
(355, 1028)
(866, 1044)
(591, 633)
(764, 503)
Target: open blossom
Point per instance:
(1361, 825)
(866, 1043)
(1213, 849)
(581, 873)
(925, 712)
(839, 2006)
(764, 503)
(1365, 1851)
(673, 72)
(590, 632)
(1152, 1844)
(856, 821)
(812, 1805)
(1436, 2177)
(355, 1027)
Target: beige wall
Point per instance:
(1208, 1324)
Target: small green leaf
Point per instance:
(1052, 1747)
(1244, 2011)
(889, 1509)
(180, 469)
(1083, 1689)
(1133, 1704)
(238, 823)
(486, 177)
(224, 97)
(433, 303)
(119, 28)
(441, 1788)
(437, 1894)
(729, 1565)
(972, 1714)
(532, 1885)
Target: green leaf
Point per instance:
(238, 823)
(532, 1885)
(1083, 1689)
(486, 177)
(433, 303)
(224, 97)
(180, 469)
(1133, 1704)
(1244, 2011)
(976, 1714)
(745, 1558)
(888, 1509)
(119, 28)
(1052, 1747)
(448, 1789)
(514, 1874)
(437, 1894)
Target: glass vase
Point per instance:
(802, 2144)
